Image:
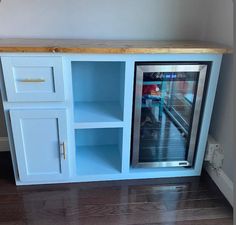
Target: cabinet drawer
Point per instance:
(33, 78)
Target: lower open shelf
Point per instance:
(98, 160)
(98, 151)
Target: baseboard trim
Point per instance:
(4, 144)
(223, 182)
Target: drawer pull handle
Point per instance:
(63, 146)
(32, 80)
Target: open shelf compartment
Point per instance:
(98, 89)
(98, 151)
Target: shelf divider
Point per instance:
(97, 115)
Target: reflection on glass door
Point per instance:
(167, 108)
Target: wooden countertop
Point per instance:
(109, 47)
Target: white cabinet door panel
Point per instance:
(38, 137)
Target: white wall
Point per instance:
(102, 19)
(219, 28)
(219, 21)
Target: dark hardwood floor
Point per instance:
(185, 201)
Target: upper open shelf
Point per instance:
(98, 89)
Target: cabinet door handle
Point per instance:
(28, 80)
(63, 147)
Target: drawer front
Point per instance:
(33, 78)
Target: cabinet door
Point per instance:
(40, 138)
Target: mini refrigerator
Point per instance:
(168, 102)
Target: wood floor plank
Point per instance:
(169, 216)
(74, 197)
(69, 217)
(227, 221)
(196, 204)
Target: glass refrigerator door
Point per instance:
(167, 107)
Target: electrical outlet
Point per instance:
(212, 146)
(218, 159)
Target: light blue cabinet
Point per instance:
(69, 116)
(40, 139)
